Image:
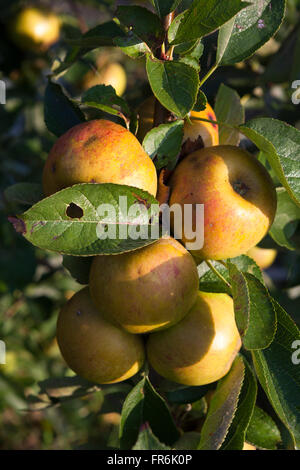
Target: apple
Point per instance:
(238, 196)
(98, 151)
(263, 257)
(34, 29)
(111, 74)
(248, 446)
(197, 134)
(201, 348)
(94, 348)
(146, 289)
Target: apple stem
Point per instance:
(209, 73)
(216, 272)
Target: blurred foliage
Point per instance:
(34, 284)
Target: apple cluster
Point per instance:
(146, 302)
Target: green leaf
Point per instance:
(144, 24)
(60, 112)
(65, 388)
(174, 84)
(223, 39)
(237, 432)
(188, 441)
(147, 441)
(279, 375)
(105, 98)
(79, 268)
(132, 416)
(201, 102)
(210, 282)
(222, 407)
(69, 221)
(190, 48)
(241, 298)
(25, 194)
(145, 405)
(252, 28)
(229, 110)
(184, 395)
(156, 412)
(262, 432)
(203, 17)
(164, 7)
(283, 153)
(286, 220)
(254, 310)
(164, 142)
(101, 35)
(132, 46)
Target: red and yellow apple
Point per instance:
(110, 74)
(238, 196)
(34, 29)
(201, 348)
(147, 289)
(263, 257)
(98, 151)
(94, 348)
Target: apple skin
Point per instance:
(146, 289)
(208, 133)
(98, 151)
(238, 196)
(248, 446)
(263, 257)
(34, 30)
(201, 348)
(94, 348)
(111, 74)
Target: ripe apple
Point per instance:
(238, 196)
(201, 348)
(98, 151)
(94, 348)
(34, 29)
(111, 74)
(198, 134)
(147, 289)
(263, 257)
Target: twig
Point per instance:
(216, 272)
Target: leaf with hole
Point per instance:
(89, 219)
